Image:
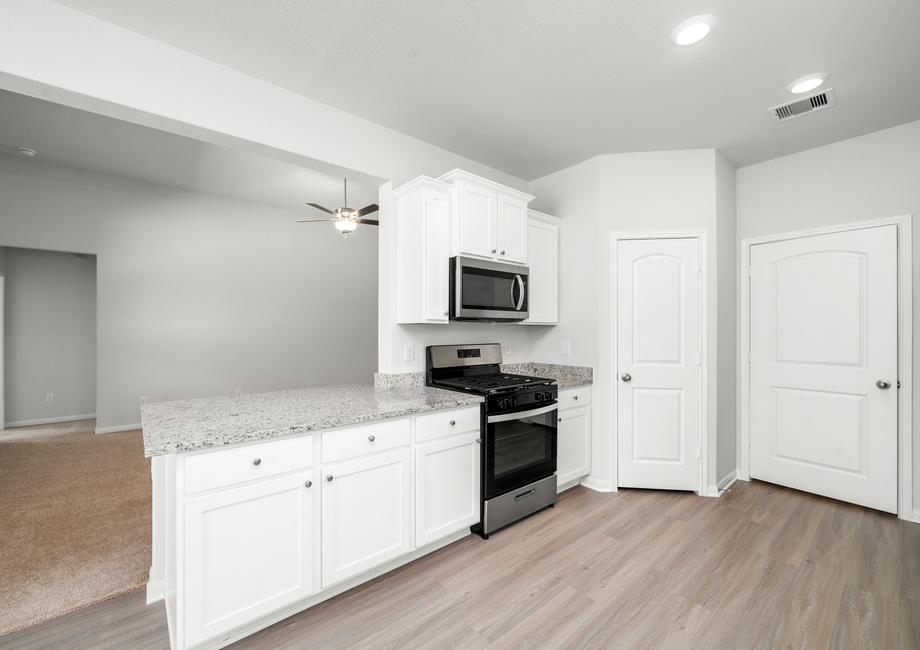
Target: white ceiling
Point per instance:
(532, 86)
(69, 136)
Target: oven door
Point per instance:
(520, 448)
(488, 291)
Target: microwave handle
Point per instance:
(520, 300)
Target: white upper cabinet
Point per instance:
(422, 250)
(543, 262)
(512, 229)
(488, 220)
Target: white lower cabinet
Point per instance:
(248, 551)
(446, 486)
(573, 444)
(367, 513)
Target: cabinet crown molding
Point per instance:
(420, 182)
(460, 175)
(542, 216)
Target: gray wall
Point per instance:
(199, 295)
(50, 335)
(726, 328)
(870, 177)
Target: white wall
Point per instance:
(870, 177)
(198, 294)
(638, 192)
(50, 337)
(56, 53)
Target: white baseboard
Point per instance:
(119, 428)
(727, 480)
(156, 590)
(916, 516)
(57, 420)
(598, 486)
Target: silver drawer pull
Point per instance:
(308, 484)
(503, 252)
(524, 495)
(478, 441)
(453, 423)
(372, 438)
(575, 397)
(256, 461)
(329, 477)
(558, 419)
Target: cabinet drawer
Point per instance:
(446, 423)
(215, 469)
(571, 397)
(356, 441)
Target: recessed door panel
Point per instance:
(657, 424)
(815, 289)
(824, 365)
(658, 324)
(657, 304)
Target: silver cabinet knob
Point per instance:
(503, 252)
(453, 423)
(558, 419)
(329, 477)
(372, 438)
(256, 461)
(626, 377)
(308, 484)
(478, 441)
(884, 385)
(494, 251)
(575, 397)
(447, 313)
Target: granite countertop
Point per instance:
(186, 425)
(565, 376)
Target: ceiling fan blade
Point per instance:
(368, 209)
(316, 220)
(370, 222)
(319, 207)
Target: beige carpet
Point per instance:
(74, 520)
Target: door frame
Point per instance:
(905, 354)
(706, 442)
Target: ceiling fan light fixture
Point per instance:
(346, 226)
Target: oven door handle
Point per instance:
(492, 419)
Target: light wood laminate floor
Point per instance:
(761, 567)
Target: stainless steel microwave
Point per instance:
(482, 290)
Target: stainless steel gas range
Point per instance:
(519, 419)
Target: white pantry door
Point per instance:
(659, 352)
(824, 365)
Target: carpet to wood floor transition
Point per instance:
(74, 520)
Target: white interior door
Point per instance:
(659, 357)
(824, 365)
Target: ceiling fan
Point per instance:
(345, 219)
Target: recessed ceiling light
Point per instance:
(806, 83)
(26, 151)
(693, 30)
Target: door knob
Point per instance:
(626, 377)
(884, 385)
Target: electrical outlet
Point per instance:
(566, 348)
(141, 400)
(49, 397)
(237, 392)
(409, 352)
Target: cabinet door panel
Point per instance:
(248, 551)
(574, 444)
(543, 262)
(512, 229)
(367, 513)
(446, 486)
(437, 254)
(477, 220)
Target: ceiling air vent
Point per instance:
(816, 102)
